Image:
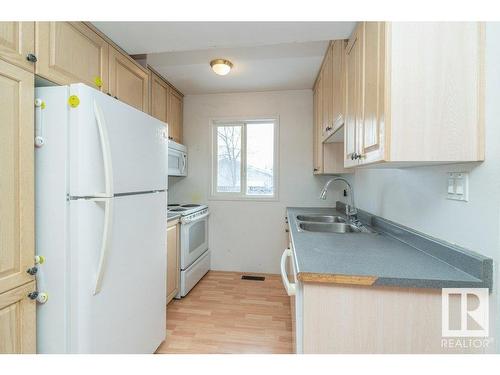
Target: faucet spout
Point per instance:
(350, 210)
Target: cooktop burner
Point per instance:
(185, 209)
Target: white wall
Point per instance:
(249, 236)
(416, 197)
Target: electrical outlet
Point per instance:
(458, 186)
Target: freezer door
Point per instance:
(127, 314)
(113, 147)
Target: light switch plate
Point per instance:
(458, 186)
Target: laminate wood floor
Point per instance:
(224, 314)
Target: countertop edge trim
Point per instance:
(336, 279)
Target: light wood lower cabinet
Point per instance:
(17, 242)
(17, 41)
(70, 52)
(128, 81)
(351, 319)
(18, 321)
(173, 260)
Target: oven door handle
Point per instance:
(187, 221)
(289, 287)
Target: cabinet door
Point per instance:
(327, 82)
(17, 40)
(372, 127)
(17, 248)
(159, 98)
(338, 83)
(70, 52)
(175, 116)
(172, 262)
(18, 321)
(318, 127)
(128, 81)
(354, 100)
(314, 127)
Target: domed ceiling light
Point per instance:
(221, 66)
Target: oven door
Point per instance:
(177, 163)
(194, 240)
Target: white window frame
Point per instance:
(214, 123)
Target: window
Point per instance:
(244, 162)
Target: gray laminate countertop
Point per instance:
(381, 258)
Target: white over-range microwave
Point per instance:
(177, 159)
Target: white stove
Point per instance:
(195, 255)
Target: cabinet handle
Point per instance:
(32, 270)
(328, 128)
(315, 169)
(40, 297)
(31, 58)
(33, 295)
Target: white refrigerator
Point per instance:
(101, 203)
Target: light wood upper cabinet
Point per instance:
(318, 126)
(173, 265)
(333, 82)
(327, 157)
(17, 41)
(17, 244)
(371, 140)
(159, 98)
(353, 95)
(128, 81)
(338, 84)
(328, 109)
(422, 94)
(70, 52)
(167, 106)
(175, 107)
(18, 321)
(327, 93)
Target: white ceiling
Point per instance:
(266, 55)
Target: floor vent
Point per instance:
(255, 278)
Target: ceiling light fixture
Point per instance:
(221, 66)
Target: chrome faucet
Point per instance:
(350, 211)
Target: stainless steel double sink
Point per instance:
(327, 224)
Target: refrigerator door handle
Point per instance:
(106, 241)
(106, 153)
